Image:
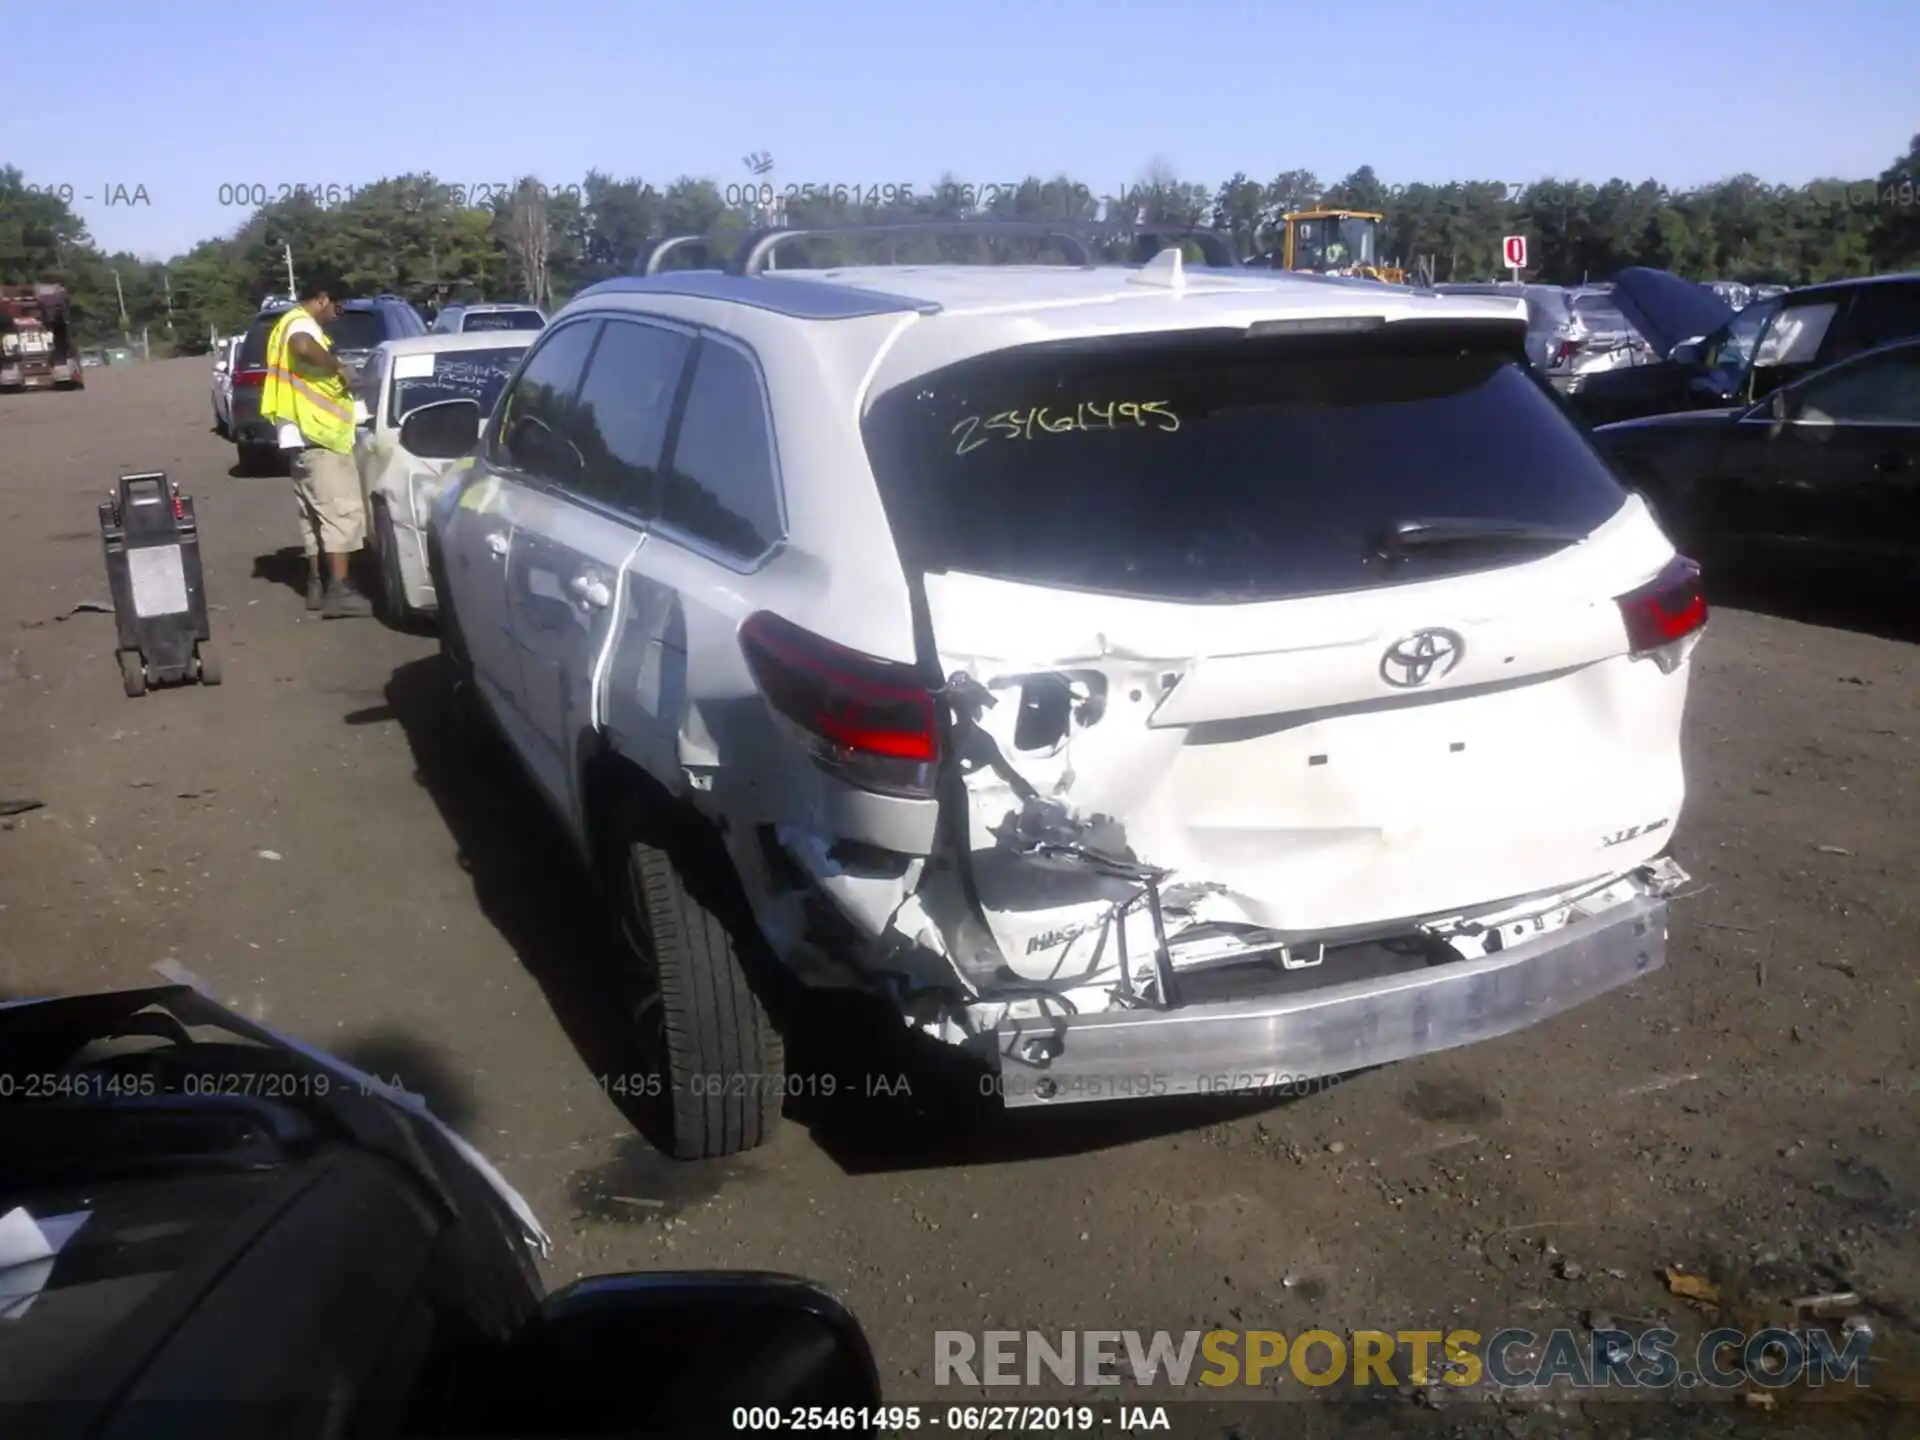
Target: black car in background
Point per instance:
(1823, 471)
(356, 330)
(1712, 358)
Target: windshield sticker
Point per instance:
(412, 367)
(1086, 417)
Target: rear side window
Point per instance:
(1882, 313)
(624, 408)
(1224, 468)
(1882, 389)
(537, 427)
(721, 486)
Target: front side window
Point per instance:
(537, 430)
(1878, 389)
(366, 385)
(1794, 336)
(624, 408)
(721, 485)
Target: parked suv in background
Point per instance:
(459, 319)
(355, 331)
(1148, 680)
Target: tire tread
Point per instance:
(715, 1026)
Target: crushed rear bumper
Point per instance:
(1278, 1044)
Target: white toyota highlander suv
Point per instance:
(1151, 679)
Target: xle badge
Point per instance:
(1620, 837)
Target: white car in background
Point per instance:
(399, 377)
(223, 354)
(466, 319)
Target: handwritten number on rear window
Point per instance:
(1088, 416)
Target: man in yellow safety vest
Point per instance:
(305, 394)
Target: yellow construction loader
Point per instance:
(1336, 242)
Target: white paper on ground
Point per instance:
(159, 580)
(27, 1250)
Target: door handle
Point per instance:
(497, 541)
(593, 592)
(1889, 464)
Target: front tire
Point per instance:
(720, 1055)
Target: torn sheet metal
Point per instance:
(1259, 761)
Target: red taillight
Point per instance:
(249, 379)
(1669, 607)
(875, 717)
(1565, 351)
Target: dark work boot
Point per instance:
(343, 602)
(316, 586)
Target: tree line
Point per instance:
(431, 242)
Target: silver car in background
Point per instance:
(1549, 312)
(1597, 337)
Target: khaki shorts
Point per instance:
(333, 513)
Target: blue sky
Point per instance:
(851, 92)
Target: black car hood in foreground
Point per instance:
(1666, 310)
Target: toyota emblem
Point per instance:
(1422, 656)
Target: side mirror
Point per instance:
(669, 1354)
(444, 430)
(219, 367)
(1688, 352)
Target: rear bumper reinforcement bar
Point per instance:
(1272, 1043)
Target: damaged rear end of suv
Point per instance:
(1147, 682)
(1304, 697)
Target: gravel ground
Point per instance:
(307, 839)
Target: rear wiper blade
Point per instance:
(1405, 537)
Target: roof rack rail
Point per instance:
(652, 259)
(1078, 239)
(758, 247)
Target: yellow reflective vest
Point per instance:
(319, 405)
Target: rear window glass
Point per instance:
(477, 375)
(253, 349)
(1230, 469)
(356, 330)
(1599, 314)
(503, 320)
